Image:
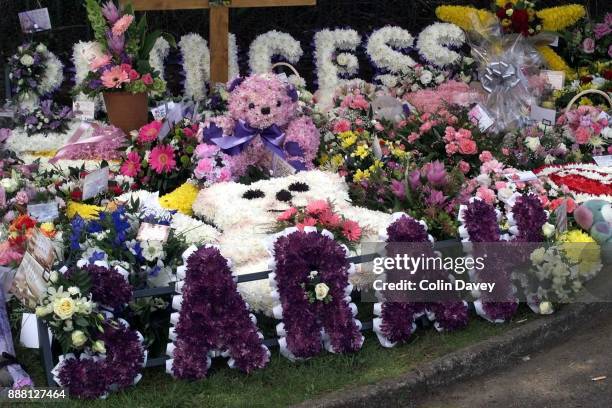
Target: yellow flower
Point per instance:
(559, 18)
(506, 22)
(554, 61)
(362, 151)
(324, 158)
(47, 227)
(181, 199)
(337, 160)
(349, 140)
(64, 307)
(463, 16)
(86, 211)
(377, 165)
(580, 248)
(585, 101)
(361, 175)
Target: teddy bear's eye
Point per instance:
(251, 106)
(298, 187)
(253, 194)
(278, 104)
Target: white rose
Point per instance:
(64, 308)
(342, 60)
(78, 338)
(509, 12)
(321, 291)
(548, 230)
(73, 290)
(42, 311)
(504, 194)
(484, 180)
(440, 78)
(313, 274)
(26, 60)
(532, 143)
(10, 185)
(546, 308)
(549, 159)
(598, 82)
(426, 77)
(41, 48)
(99, 347)
(607, 133)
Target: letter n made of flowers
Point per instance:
(213, 319)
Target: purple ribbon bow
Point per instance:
(272, 138)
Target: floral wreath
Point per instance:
(309, 282)
(212, 319)
(585, 181)
(34, 72)
(397, 320)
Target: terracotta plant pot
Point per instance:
(127, 111)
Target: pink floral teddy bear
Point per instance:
(264, 120)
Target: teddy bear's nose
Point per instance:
(265, 110)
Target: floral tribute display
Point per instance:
(212, 320)
(121, 60)
(397, 320)
(34, 72)
(230, 211)
(310, 280)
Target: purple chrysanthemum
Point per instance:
(529, 216)
(109, 287)
(481, 222)
(124, 354)
(85, 378)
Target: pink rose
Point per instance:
(582, 136)
(205, 150)
(500, 184)
(204, 167)
(485, 156)
(451, 149)
(147, 79)
(413, 137)
(464, 167)
(22, 198)
(467, 146)
(225, 174)
(134, 75)
(588, 45)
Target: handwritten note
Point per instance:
(84, 110)
(556, 79)
(480, 115)
(29, 284)
(33, 21)
(41, 248)
(543, 115)
(44, 212)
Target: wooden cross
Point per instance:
(219, 24)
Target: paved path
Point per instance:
(558, 377)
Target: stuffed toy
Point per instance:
(595, 216)
(264, 127)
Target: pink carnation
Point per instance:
(121, 25)
(204, 167)
(485, 156)
(582, 135)
(147, 79)
(206, 150)
(224, 175)
(342, 125)
(486, 194)
(464, 167)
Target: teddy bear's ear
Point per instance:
(235, 83)
(292, 92)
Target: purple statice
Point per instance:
(85, 378)
(529, 216)
(109, 287)
(214, 316)
(480, 220)
(125, 354)
(296, 256)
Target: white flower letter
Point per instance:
(327, 43)
(434, 40)
(269, 44)
(383, 46)
(196, 64)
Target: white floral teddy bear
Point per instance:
(246, 216)
(264, 120)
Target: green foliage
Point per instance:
(97, 20)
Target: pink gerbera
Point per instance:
(100, 62)
(114, 77)
(121, 26)
(287, 214)
(317, 207)
(148, 133)
(131, 166)
(162, 159)
(308, 222)
(351, 230)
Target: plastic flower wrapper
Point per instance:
(505, 63)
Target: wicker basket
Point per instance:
(588, 91)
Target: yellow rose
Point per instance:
(64, 308)
(78, 338)
(47, 227)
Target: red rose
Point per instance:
(76, 195)
(115, 189)
(587, 79)
(520, 21)
(607, 74)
